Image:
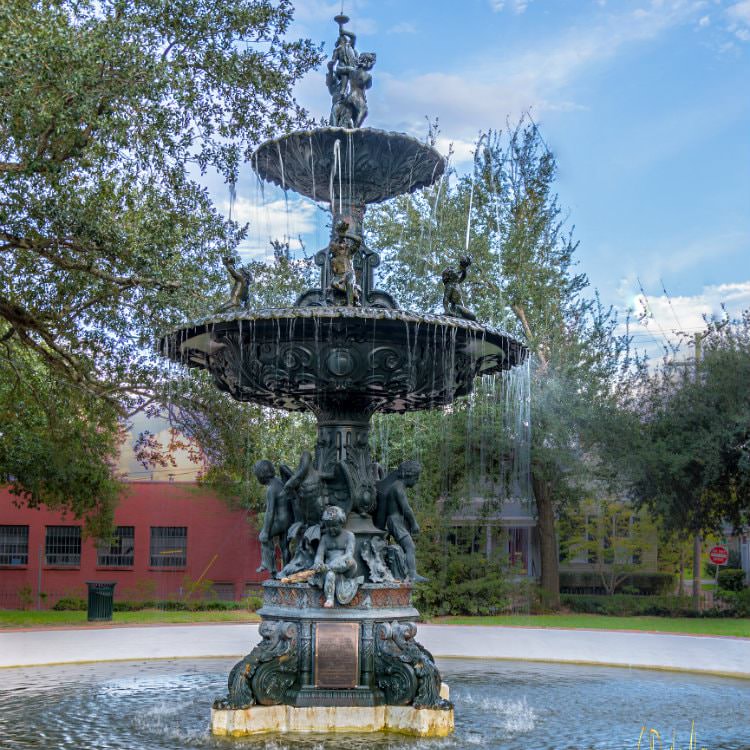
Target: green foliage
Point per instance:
(253, 603)
(731, 579)
(109, 110)
(644, 584)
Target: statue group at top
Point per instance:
(348, 78)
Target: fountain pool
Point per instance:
(511, 705)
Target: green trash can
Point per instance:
(101, 596)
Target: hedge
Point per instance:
(73, 604)
(626, 605)
(588, 582)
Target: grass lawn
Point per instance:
(690, 625)
(14, 618)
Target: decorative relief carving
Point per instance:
(405, 670)
(268, 671)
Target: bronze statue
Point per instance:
(347, 79)
(240, 280)
(395, 514)
(343, 279)
(334, 560)
(453, 303)
(279, 515)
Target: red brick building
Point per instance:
(171, 539)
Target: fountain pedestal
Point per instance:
(353, 668)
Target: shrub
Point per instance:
(25, 596)
(738, 602)
(731, 579)
(70, 604)
(253, 603)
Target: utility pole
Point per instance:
(697, 540)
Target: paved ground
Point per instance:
(713, 654)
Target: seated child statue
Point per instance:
(334, 563)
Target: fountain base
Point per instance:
(418, 722)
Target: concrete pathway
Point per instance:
(712, 654)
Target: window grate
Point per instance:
(119, 553)
(168, 546)
(63, 546)
(14, 545)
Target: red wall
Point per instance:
(222, 546)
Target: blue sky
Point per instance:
(645, 103)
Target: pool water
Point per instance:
(499, 704)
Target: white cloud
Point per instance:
(273, 220)
(704, 21)
(739, 20)
(491, 88)
(405, 27)
(516, 6)
(667, 320)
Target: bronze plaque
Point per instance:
(336, 654)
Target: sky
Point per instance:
(645, 103)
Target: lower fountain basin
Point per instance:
(364, 359)
(514, 705)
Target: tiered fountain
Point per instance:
(338, 650)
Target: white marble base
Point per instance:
(420, 722)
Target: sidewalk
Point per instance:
(709, 654)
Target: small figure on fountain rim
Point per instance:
(453, 302)
(240, 278)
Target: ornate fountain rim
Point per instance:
(342, 313)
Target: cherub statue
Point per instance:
(240, 280)
(343, 279)
(395, 514)
(334, 560)
(452, 297)
(279, 515)
(352, 110)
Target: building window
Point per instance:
(14, 545)
(119, 552)
(63, 546)
(168, 546)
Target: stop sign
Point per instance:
(719, 555)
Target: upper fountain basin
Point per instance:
(364, 164)
(345, 358)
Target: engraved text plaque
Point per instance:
(336, 654)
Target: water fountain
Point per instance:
(338, 648)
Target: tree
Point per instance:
(507, 217)
(612, 539)
(109, 111)
(690, 463)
